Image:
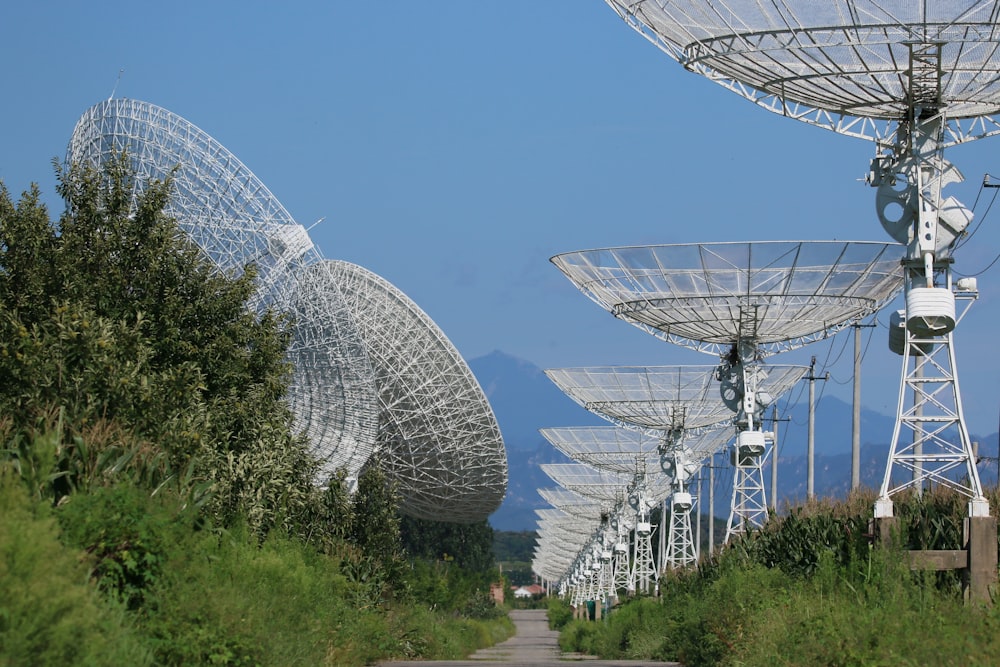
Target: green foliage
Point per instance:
(839, 618)
(468, 545)
(932, 520)
(27, 247)
(228, 598)
(514, 551)
(53, 460)
(808, 589)
(451, 566)
(580, 636)
(155, 505)
(124, 533)
(796, 543)
(49, 613)
(129, 328)
(336, 512)
(374, 527)
(559, 613)
(514, 546)
(225, 595)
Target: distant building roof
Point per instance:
(528, 591)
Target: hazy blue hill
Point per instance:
(525, 400)
(834, 422)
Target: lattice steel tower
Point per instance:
(915, 78)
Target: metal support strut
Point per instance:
(939, 451)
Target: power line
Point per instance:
(985, 184)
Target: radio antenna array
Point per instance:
(915, 78)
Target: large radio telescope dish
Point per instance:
(651, 397)
(610, 448)
(620, 450)
(222, 206)
(328, 409)
(605, 487)
(840, 64)
(235, 221)
(665, 398)
(570, 502)
(775, 295)
(555, 523)
(437, 434)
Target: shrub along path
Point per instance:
(533, 645)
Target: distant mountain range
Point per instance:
(525, 400)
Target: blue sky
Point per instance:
(453, 147)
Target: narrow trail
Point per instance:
(533, 645)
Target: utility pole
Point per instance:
(811, 462)
(711, 505)
(856, 421)
(774, 457)
(701, 514)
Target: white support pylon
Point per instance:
(620, 577)
(645, 569)
(748, 509)
(939, 452)
(681, 550)
(680, 545)
(607, 581)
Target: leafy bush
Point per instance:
(49, 613)
(559, 613)
(142, 411)
(579, 636)
(124, 533)
(129, 324)
(809, 589)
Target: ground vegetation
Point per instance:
(157, 506)
(812, 587)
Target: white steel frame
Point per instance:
(833, 64)
(235, 221)
(915, 78)
(929, 410)
(742, 301)
(437, 433)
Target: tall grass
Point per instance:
(111, 575)
(49, 613)
(810, 589)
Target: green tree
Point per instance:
(27, 245)
(374, 524)
(114, 316)
(468, 545)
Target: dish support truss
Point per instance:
(642, 578)
(681, 455)
(592, 579)
(622, 574)
(681, 548)
(939, 449)
(748, 505)
(910, 174)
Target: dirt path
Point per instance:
(533, 645)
